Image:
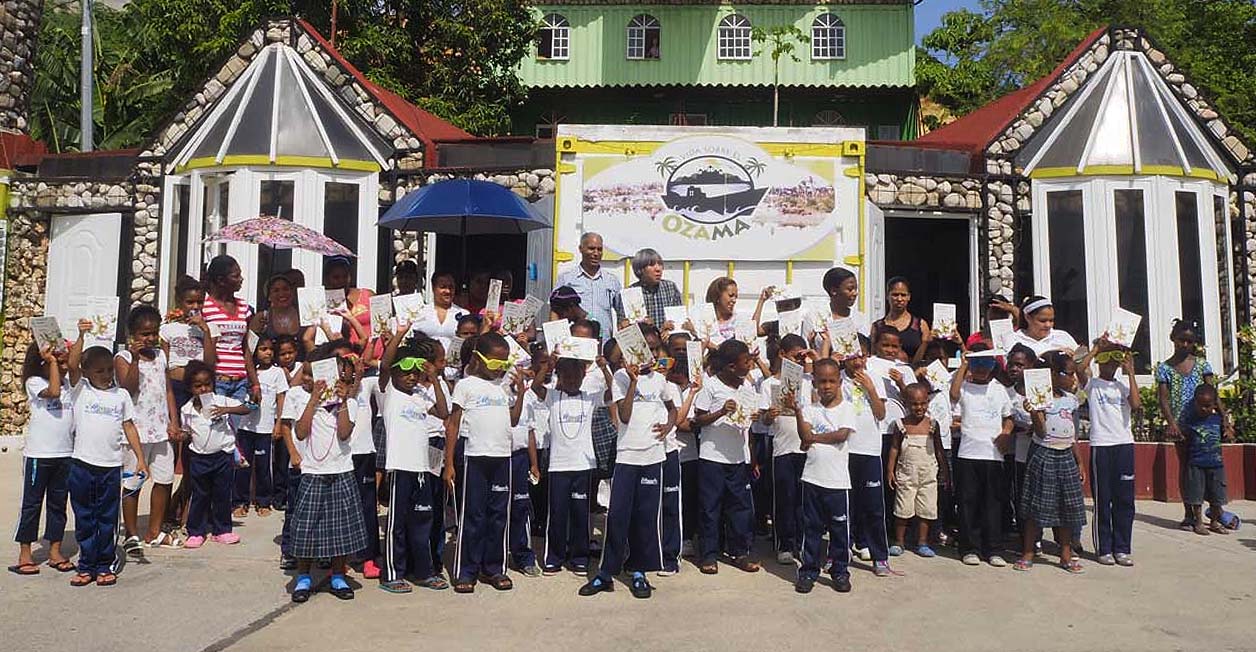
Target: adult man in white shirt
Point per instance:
(598, 288)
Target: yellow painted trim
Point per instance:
(631, 148)
(285, 161)
(731, 268)
(566, 168)
(685, 284)
(627, 271)
(1125, 171)
(556, 254)
(789, 271)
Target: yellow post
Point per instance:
(730, 269)
(685, 284)
(789, 272)
(627, 271)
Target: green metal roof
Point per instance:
(880, 48)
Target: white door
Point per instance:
(82, 262)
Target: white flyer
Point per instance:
(746, 330)
(844, 337)
(557, 334)
(534, 304)
(633, 346)
(791, 376)
(1000, 332)
(580, 348)
(747, 400)
(409, 308)
(207, 406)
(693, 353)
(516, 318)
(703, 319)
(381, 310)
(453, 353)
(938, 375)
(102, 312)
(1123, 327)
(944, 319)
(1038, 388)
(789, 322)
(494, 299)
(328, 371)
(334, 323)
(312, 304)
(634, 305)
(677, 315)
(336, 300)
(47, 333)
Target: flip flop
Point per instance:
(63, 566)
(745, 564)
(24, 569)
(106, 579)
(82, 579)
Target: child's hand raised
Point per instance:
(84, 326)
(632, 370)
(48, 355)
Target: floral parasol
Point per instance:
(278, 233)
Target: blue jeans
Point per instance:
(237, 388)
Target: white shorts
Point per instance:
(160, 459)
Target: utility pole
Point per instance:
(85, 79)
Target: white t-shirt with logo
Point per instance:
(981, 410)
(274, 382)
(485, 417)
(50, 429)
(940, 410)
(98, 417)
(407, 427)
(322, 452)
(210, 436)
(724, 441)
(1109, 402)
(866, 438)
(638, 444)
(571, 429)
(828, 465)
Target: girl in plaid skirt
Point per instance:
(327, 518)
(1053, 479)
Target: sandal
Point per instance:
(263, 511)
(25, 569)
(1073, 566)
(1217, 528)
(745, 564)
(499, 582)
(1023, 564)
(106, 579)
(396, 586)
(164, 540)
(710, 568)
(240, 512)
(464, 586)
(63, 566)
(435, 582)
(82, 579)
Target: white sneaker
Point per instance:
(785, 558)
(997, 561)
(1106, 560)
(971, 560)
(1123, 559)
(864, 554)
(666, 573)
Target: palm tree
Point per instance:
(665, 166)
(755, 166)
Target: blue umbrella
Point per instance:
(463, 207)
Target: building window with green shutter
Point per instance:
(554, 38)
(643, 37)
(733, 38)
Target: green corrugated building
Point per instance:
(695, 62)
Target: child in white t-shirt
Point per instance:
(210, 464)
(985, 416)
(572, 460)
(256, 433)
(327, 516)
(1111, 400)
(724, 409)
(862, 390)
(824, 428)
(483, 414)
(787, 454)
(680, 471)
(412, 403)
(46, 458)
(104, 428)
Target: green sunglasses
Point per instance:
(1110, 356)
(410, 364)
(494, 364)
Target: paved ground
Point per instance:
(1187, 593)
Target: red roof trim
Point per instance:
(974, 132)
(428, 128)
(19, 150)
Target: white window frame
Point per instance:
(245, 194)
(733, 38)
(1160, 219)
(560, 37)
(639, 29)
(828, 38)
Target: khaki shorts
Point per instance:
(916, 482)
(160, 459)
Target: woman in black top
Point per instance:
(913, 332)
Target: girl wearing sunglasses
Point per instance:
(1111, 401)
(483, 414)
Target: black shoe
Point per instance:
(641, 588)
(841, 583)
(287, 563)
(579, 569)
(300, 595)
(804, 584)
(344, 594)
(596, 586)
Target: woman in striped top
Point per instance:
(228, 318)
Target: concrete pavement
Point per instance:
(1186, 593)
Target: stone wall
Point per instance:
(32, 202)
(19, 25)
(1248, 207)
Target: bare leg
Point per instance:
(1029, 539)
(130, 514)
(900, 531)
(158, 500)
(24, 556)
(54, 552)
(1064, 536)
(922, 532)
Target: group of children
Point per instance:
(499, 428)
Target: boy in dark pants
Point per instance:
(985, 414)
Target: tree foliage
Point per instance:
(972, 59)
(456, 58)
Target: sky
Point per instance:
(929, 13)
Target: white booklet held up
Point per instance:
(634, 305)
(1038, 388)
(328, 371)
(944, 319)
(557, 333)
(791, 376)
(938, 375)
(1123, 327)
(409, 308)
(693, 353)
(1001, 332)
(312, 304)
(494, 300)
(677, 315)
(844, 337)
(47, 333)
(633, 346)
(516, 318)
(580, 348)
(381, 310)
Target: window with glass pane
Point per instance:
(1225, 277)
(1131, 264)
(275, 197)
(733, 38)
(215, 200)
(340, 213)
(182, 210)
(1190, 272)
(643, 37)
(1067, 248)
(553, 40)
(828, 37)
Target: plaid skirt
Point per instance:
(605, 438)
(1052, 495)
(327, 517)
